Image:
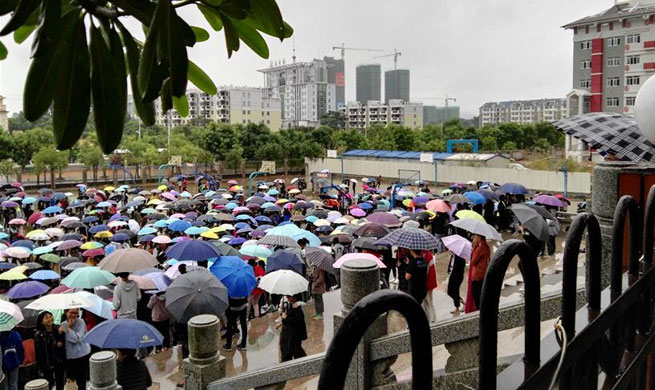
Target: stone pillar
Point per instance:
(102, 371)
(463, 355)
(358, 279)
(37, 384)
(204, 364)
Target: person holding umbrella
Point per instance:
(294, 330)
(126, 297)
(50, 351)
(479, 263)
(77, 351)
(460, 248)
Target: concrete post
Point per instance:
(37, 384)
(358, 279)
(102, 371)
(204, 364)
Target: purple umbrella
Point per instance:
(27, 290)
(357, 213)
(9, 204)
(549, 200)
(257, 234)
(191, 215)
(384, 218)
(168, 195)
(69, 244)
(236, 241)
(193, 250)
(459, 245)
(238, 210)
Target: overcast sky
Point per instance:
(473, 50)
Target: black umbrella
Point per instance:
(541, 210)
(30, 316)
(69, 260)
(611, 133)
(342, 238)
(318, 213)
(72, 236)
(321, 259)
(156, 216)
(369, 244)
(226, 250)
(285, 259)
(194, 293)
(531, 220)
(130, 233)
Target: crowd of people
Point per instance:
(126, 253)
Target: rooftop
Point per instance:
(616, 12)
(412, 155)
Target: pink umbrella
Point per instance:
(459, 245)
(178, 216)
(239, 210)
(93, 252)
(438, 205)
(357, 212)
(232, 182)
(358, 256)
(168, 195)
(162, 240)
(17, 221)
(547, 200)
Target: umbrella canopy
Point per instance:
(235, 274)
(193, 250)
(69, 244)
(194, 293)
(159, 279)
(277, 240)
(489, 194)
(225, 249)
(124, 333)
(283, 282)
(611, 133)
(411, 238)
(321, 259)
(27, 289)
(162, 240)
(88, 277)
(457, 198)
(358, 256)
(256, 251)
(100, 307)
(45, 274)
(459, 245)
(285, 259)
(60, 302)
(469, 214)
(10, 315)
(549, 200)
(51, 258)
(475, 197)
(384, 218)
(545, 214)
(531, 220)
(371, 230)
(438, 205)
(476, 227)
(128, 260)
(513, 189)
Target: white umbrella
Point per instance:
(54, 232)
(10, 315)
(476, 227)
(100, 307)
(283, 282)
(60, 302)
(17, 252)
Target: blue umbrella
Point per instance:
(194, 230)
(6, 266)
(193, 250)
(146, 238)
(235, 274)
(146, 230)
(134, 203)
(120, 237)
(487, 193)
(98, 229)
(179, 226)
(103, 204)
(284, 259)
(160, 224)
(52, 210)
(244, 230)
(45, 274)
(41, 250)
(243, 217)
(513, 189)
(475, 197)
(236, 241)
(124, 333)
(28, 289)
(273, 192)
(263, 219)
(25, 244)
(90, 219)
(267, 205)
(29, 200)
(365, 206)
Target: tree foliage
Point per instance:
(82, 54)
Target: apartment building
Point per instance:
(522, 111)
(397, 112)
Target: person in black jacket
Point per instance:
(294, 331)
(50, 351)
(132, 373)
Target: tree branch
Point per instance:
(97, 10)
(183, 3)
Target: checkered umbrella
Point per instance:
(610, 133)
(321, 259)
(277, 240)
(411, 238)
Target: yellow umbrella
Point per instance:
(109, 188)
(105, 234)
(12, 275)
(155, 201)
(20, 269)
(209, 234)
(34, 233)
(430, 213)
(407, 202)
(282, 201)
(469, 214)
(91, 245)
(162, 188)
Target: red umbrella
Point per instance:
(93, 252)
(17, 184)
(33, 218)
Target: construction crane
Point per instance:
(445, 100)
(343, 49)
(395, 55)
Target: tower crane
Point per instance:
(343, 49)
(395, 55)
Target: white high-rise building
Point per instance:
(303, 90)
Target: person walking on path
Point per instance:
(50, 351)
(479, 262)
(318, 289)
(456, 268)
(126, 296)
(131, 372)
(160, 317)
(12, 356)
(77, 351)
(431, 284)
(294, 330)
(236, 311)
(416, 275)
(253, 299)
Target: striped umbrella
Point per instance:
(10, 315)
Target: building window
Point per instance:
(613, 82)
(630, 100)
(614, 61)
(612, 42)
(585, 45)
(585, 64)
(633, 38)
(612, 102)
(633, 60)
(632, 80)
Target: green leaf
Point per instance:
(200, 79)
(233, 11)
(201, 34)
(214, 2)
(45, 68)
(6, 6)
(181, 104)
(265, 16)
(146, 111)
(72, 101)
(166, 96)
(107, 94)
(48, 21)
(212, 16)
(23, 32)
(231, 36)
(3, 51)
(143, 10)
(150, 80)
(252, 38)
(20, 15)
(175, 52)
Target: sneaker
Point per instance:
(241, 347)
(317, 316)
(227, 348)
